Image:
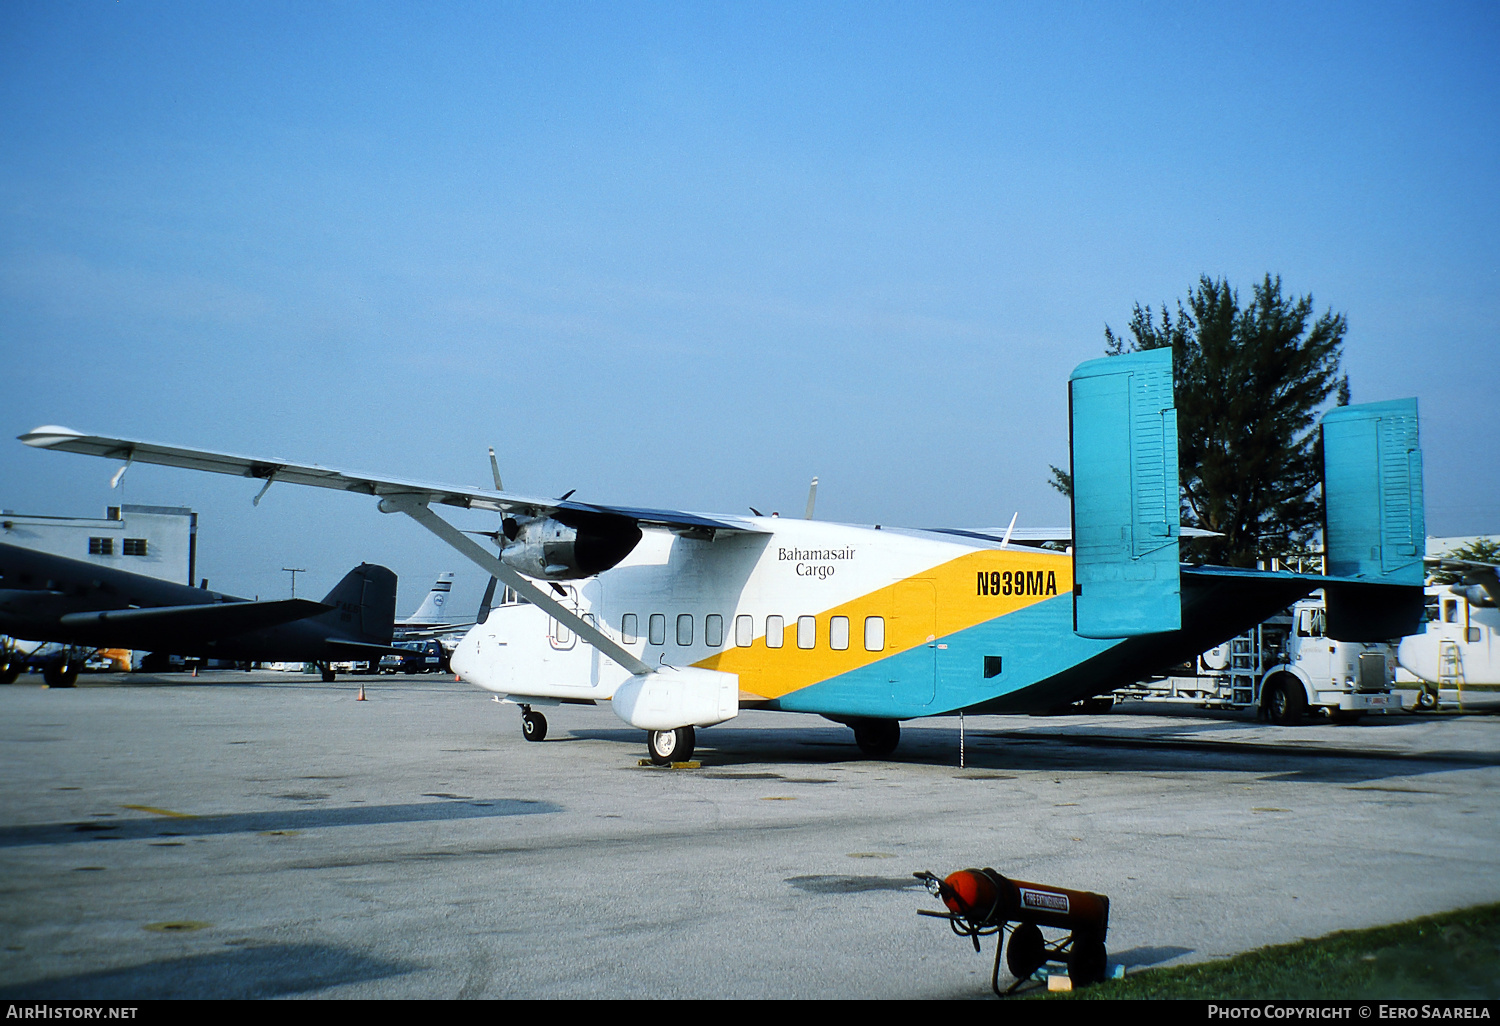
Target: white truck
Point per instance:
(1285, 669)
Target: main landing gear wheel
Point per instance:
(669, 746)
(328, 675)
(10, 664)
(877, 738)
(533, 726)
(1286, 701)
(1026, 952)
(61, 673)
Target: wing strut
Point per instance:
(417, 509)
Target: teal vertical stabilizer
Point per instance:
(1126, 519)
(1374, 529)
(1372, 492)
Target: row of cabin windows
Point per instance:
(806, 631)
(105, 546)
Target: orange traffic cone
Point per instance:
(361, 697)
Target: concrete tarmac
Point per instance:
(266, 835)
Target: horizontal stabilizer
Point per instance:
(1126, 519)
(211, 620)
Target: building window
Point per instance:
(874, 633)
(135, 546)
(101, 546)
(838, 633)
(684, 629)
(658, 626)
(713, 630)
(744, 631)
(774, 629)
(630, 627)
(807, 631)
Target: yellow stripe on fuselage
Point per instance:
(921, 609)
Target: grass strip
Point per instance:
(1455, 955)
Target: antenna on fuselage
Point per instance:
(812, 497)
(1006, 540)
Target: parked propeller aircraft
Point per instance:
(687, 617)
(44, 597)
(1459, 644)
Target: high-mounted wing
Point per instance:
(1032, 535)
(273, 470)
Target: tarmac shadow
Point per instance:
(253, 971)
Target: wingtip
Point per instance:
(49, 435)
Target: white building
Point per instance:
(158, 541)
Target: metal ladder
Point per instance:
(1450, 665)
(1244, 667)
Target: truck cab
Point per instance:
(1308, 671)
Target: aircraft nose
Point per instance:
(465, 658)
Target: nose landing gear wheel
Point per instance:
(669, 746)
(533, 726)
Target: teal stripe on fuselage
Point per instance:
(1034, 644)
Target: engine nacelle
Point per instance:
(1476, 594)
(550, 549)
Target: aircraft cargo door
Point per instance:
(913, 676)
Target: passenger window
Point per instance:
(658, 627)
(630, 628)
(744, 631)
(874, 634)
(713, 630)
(684, 628)
(838, 633)
(773, 631)
(807, 631)
(1450, 612)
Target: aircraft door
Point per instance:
(914, 633)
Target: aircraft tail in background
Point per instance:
(364, 606)
(434, 608)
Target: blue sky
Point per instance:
(691, 255)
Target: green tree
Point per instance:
(1250, 383)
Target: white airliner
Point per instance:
(432, 611)
(433, 619)
(681, 619)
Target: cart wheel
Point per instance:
(1026, 952)
(1086, 963)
